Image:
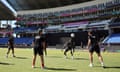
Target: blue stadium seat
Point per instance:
(3, 41)
(114, 39)
(17, 41)
(23, 40)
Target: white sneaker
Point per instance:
(43, 67)
(102, 64)
(33, 66)
(91, 65)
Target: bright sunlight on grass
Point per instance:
(55, 62)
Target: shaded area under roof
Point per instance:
(19, 5)
(6, 13)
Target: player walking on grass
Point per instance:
(39, 46)
(10, 45)
(93, 45)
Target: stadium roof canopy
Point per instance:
(20, 5)
(6, 13)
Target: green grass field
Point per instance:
(55, 62)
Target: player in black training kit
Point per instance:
(93, 45)
(69, 46)
(39, 46)
(10, 45)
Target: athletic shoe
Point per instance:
(33, 66)
(90, 65)
(102, 64)
(43, 67)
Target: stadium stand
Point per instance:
(101, 25)
(59, 22)
(112, 42)
(3, 41)
(18, 41)
(53, 29)
(24, 41)
(115, 23)
(112, 39)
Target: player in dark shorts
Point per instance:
(69, 46)
(93, 45)
(39, 46)
(10, 45)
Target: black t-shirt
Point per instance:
(94, 39)
(11, 41)
(69, 44)
(38, 40)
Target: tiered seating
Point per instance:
(75, 25)
(26, 41)
(25, 29)
(17, 41)
(3, 41)
(71, 14)
(53, 29)
(115, 23)
(100, 24)
(113, 39)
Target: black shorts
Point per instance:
(10, 47)
(95, 48)
(68, 49)
(38, 51)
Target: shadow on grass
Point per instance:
(106, 67)
(3, 63)
(116, 67)
(60, 69)
(21, 57)
(54, 56)
(80, 59)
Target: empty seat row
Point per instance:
(24, 40)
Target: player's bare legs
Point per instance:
(33, 61)
(42, 61)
